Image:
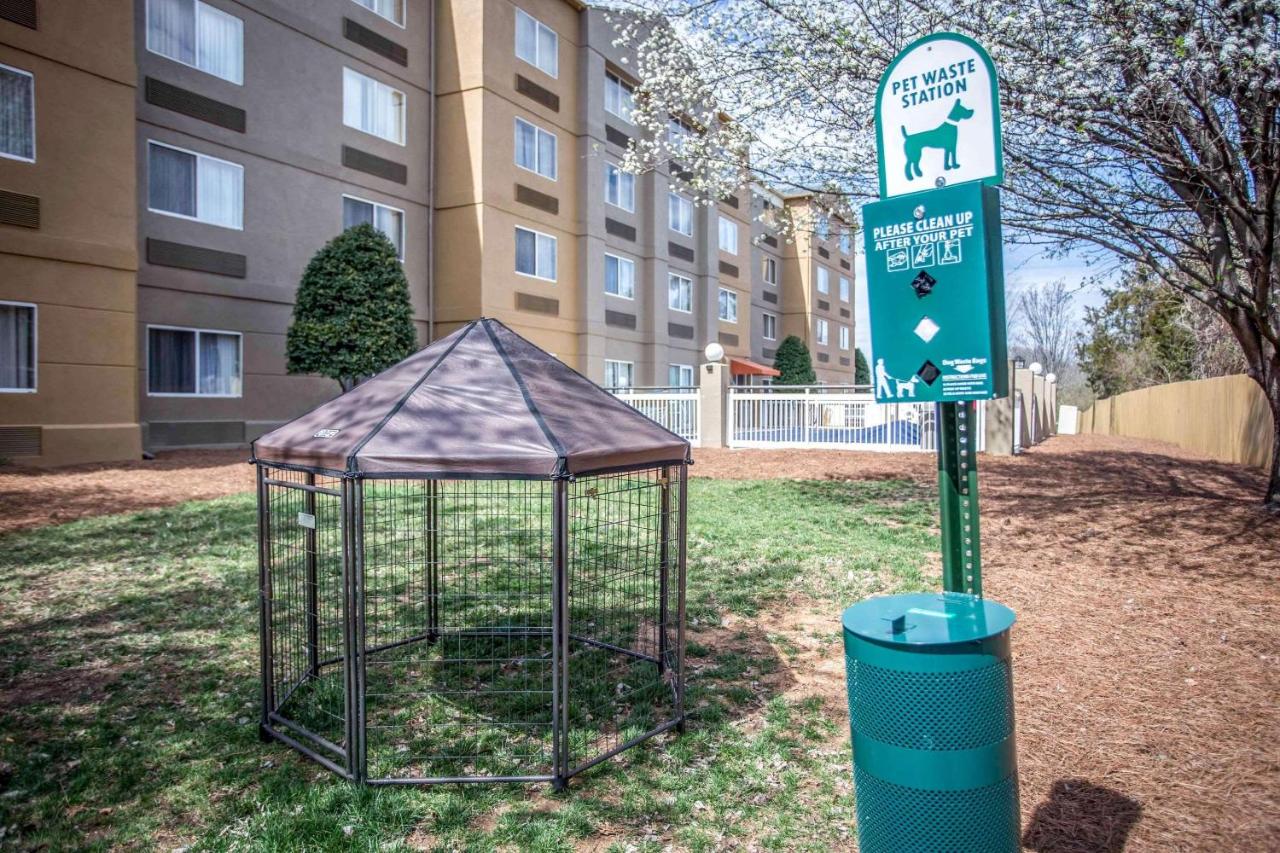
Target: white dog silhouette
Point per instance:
(907, 388)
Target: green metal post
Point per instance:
(958, 492)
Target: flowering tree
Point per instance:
(1146, 131)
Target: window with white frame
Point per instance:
(844, 337)
(194, 186)
(618, 96)
(728, 305)
(392, 10)
(824, 280)
(728, 235)
(535, 254)
(619, 187)
(17, 347)
(619, 276)
(198, 35)
(388, 220)
(17, 114)
(822, 330)
(770, 326)
(770, 271)
(372, 107)
(823, 229)
(537, 44)
(678, 134)
(844, 289)
(619, 374)
(680, 375)
(680, 214)
(679, 293)
(193, 362)
(846, 240)
(535, 149)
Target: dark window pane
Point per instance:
(171, 361)
(172, 181)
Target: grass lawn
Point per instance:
(128, 692)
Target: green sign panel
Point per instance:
(935, 288)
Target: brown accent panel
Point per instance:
(371, 164)
(732, 201)
(684, 253)
(770, 241)
(189, 433)
(537, 304)
(728, 269)
(844, 264)
(769, 297)
(680, 330)
(20, 440)
(20, 12)
(844, 312)
(533, 198)
(844, 361)
(728, 339)
(823, 252)
(192, 104)
(19, 209)
(620, 229)
(530, 89)
(616, 137)
(679, 171)
(162, 253)
(379, 44)
(768, 353)
(824, 305)
(823, 357)
(621, 319)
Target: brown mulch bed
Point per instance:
(1147, 585)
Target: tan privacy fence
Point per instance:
(1224, 418)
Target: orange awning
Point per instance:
(746, 367)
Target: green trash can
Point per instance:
(931, 715)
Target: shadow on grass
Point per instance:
(1081, 817)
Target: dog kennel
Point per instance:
(472, 568)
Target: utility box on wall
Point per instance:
(935, 293)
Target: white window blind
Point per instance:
(619, 374)
(680, 375)
(770, 271)
(535, 149)
(680, 214)
(392, 10)
(770, 327)
(728, 306)
(535, 254)
(198, 35)
(372, 107)
(728, 235)
(537, 44)
(844, 337)
(679, 293)
(618, 96)
(17, 114)
(619, 187)
(620, 276)
(844, 289)
(17, 347)
(195, 186)
(824, 280)
(388, 220)
(822, 331)
(193, 362)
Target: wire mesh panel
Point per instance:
(303, 609)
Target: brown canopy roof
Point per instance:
(482, 402)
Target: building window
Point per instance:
(619, 276)
(388, 220)
(372, 107)
(728, 235)
(824, 228)
(17, 347)
(392, 10)
(728, 306)
(679, 293)
(680, 375)
(537, 44)
(619, 374)
(680, 214)
(844, 337)
(846, 240)
(535, 149)
(535, 254)
(198, 35)
(824, 280)
(844, 289)
(770, 271)
(678, 134)
(194, 186)
(17, 114)
(770, 327)
(619, 187)
(822, 331)
(193, 362)
(618, 96)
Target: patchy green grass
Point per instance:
(128, 693)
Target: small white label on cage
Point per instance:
(306, 519)
(326, 433)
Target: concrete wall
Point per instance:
(79, 265)
(1225, 418)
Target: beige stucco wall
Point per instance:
(1224, 418)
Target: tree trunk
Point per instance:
(1272, 501)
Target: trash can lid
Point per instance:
(927, 618)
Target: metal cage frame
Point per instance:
(320, 565)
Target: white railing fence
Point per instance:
(677, 409)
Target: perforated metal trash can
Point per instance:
(931, 714)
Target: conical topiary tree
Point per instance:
(793, 362)
(352, 317)
(861, 370)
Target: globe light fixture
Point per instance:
(1051, 377)
(714, 352)
(1036, 368)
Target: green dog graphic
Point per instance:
(943, 136)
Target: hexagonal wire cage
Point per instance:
(472, 569)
